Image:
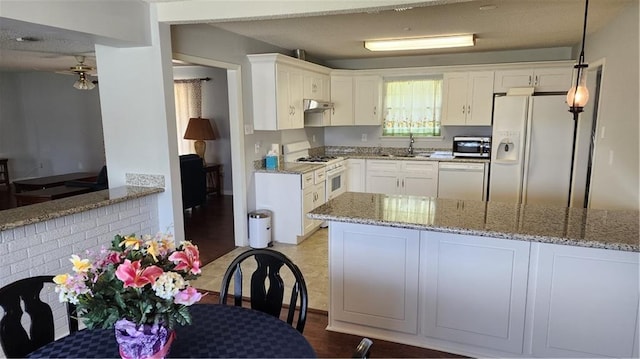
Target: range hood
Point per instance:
(311, 106)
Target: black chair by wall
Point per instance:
(268, 300)
(101, 182)
(193, 180)
(13, 337)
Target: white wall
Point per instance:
(215, 107)
(47, 127)
(615, 182)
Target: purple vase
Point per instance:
(142, 341)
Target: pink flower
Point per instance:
(133, 276)
(187, 259)
(187, 296)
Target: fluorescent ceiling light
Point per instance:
(419, 43)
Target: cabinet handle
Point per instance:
(529, 80)
(468, 109)
(397, 182)
(535, 83)
(463, 108)
(333, 111)
(375, 110)
(403, 183)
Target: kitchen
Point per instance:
(615, 181)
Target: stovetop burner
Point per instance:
(316, 159)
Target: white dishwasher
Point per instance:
(461, 180)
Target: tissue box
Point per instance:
(271, 162)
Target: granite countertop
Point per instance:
(292, 168)
(418, 158)
(607, 229)
(40, 212)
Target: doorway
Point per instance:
(236, 202)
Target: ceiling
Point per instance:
(498, 25)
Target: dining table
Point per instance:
(216, 331)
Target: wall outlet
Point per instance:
(364, 137)
(257, 147)
(313, 138)
(248, 129)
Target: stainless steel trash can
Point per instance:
(260, 228)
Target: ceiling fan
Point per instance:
(82, 71)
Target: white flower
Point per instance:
(168, 285)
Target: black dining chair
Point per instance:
(267, 298)
(15, 340)
(363, 349)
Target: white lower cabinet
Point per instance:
(474, 290)
(290, 197)
(417, 178)
(374, 276)
(585, 302)
(356, 172)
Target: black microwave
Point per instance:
(470, 146)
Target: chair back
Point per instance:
(13, 337)
(268, 300)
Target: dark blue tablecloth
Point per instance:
(218, 331)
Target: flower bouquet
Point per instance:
(140, 286)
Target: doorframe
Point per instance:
(236, 139)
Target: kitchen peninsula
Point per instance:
(484, 278)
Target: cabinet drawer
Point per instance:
(421, 167)
(382, 166)
(308, 179)
(319, 176)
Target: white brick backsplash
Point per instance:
(44, 248)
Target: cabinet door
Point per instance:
(356, 175)
(474, 289)
(585, 302)
(383, 182)
(284, 108)
(367, 90)
(374, 276)
(419, 178)
(295, 98)
(552, 79)
(454, 106)
(480, 99)
(315, 86)
(342, 98)
(506, 79)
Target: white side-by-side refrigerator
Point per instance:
(531, 150)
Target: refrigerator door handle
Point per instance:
(527, 154)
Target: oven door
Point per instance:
(336, 182)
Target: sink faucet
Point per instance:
(411, 141)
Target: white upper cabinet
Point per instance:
(316, 86)
(467, 98)
(367, 100)
(342, 98)
(542, 79)
(356, 99)
(279, 84)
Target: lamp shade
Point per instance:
(200, 129)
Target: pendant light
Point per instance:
(578, 95)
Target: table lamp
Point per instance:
(200, 129)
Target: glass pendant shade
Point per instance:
(83, 84)
(578, 95)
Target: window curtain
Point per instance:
(412, 106)
(188, 94)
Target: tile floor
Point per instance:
(310, 256)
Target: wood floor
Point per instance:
(211, 228)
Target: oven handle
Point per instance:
(334, 171)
